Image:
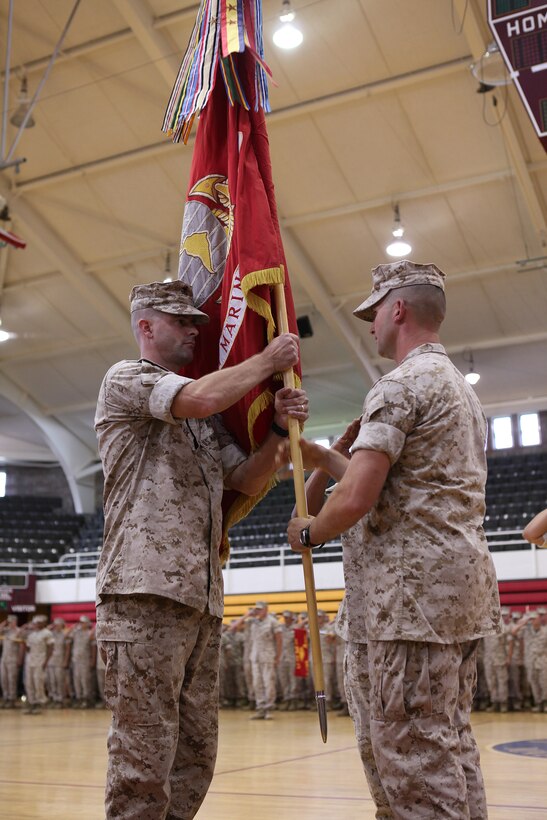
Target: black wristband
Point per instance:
(305, 539)
(279, 431)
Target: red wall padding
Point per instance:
(523, 594)
(72, 612)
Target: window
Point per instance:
(502, 433)
(529, 429)
(2, 484)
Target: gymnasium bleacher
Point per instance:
(36, 529)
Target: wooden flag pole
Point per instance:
(302, 510)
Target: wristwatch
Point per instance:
(305, 539)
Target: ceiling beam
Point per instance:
(155, 43)
(68, 263)
(106, 41)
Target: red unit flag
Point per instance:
(231, 251)
(301, 653)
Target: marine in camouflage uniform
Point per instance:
(536, 660)
(517, 672)
(12, 658)
(56, 669)
(265, 657)
(228, 681)
(417, 475)
(166, 459)
(39, 644)
(82, 641)
(245, 630)
(285, 671)
(496, 667)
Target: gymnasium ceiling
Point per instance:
(377, 106)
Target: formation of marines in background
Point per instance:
(58, 666)
(54, 665)
(512, 667)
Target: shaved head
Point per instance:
(427, 303)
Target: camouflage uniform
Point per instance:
(237, 663)
(56, 672)
(285, 670)
(430, 588)
(9, 665)
(516, 668)
(328, 655)
(228, 681)
(247, 665)
(537, 669)
(160, 591)
(496, 669)
(82, 639)
(35, 665)
(263, 654)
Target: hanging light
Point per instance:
(398, 247)
(20, 113)
(4, 335)
(490, 70)
(287, 36)
(471, 376)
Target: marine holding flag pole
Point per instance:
(231, 251)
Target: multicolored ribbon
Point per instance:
(223, 27)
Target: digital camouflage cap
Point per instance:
(167, 297)
(393, 275)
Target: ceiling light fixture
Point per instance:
(490, 70)
(471, 376)
(398, 247)
(18, 117)
(287, 36)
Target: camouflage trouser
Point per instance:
(248, 675)
(515, 692)
(9, 675)
(161, 684)
(264, 685)
(56, 682)
(420, 734)
(81, 678)
(538, 683)
(497, 678)
(35, 684)
(286, 680)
